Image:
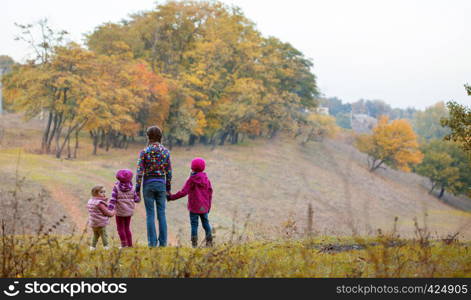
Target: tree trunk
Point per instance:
(108, 137)
(192, 140)
(69, 152)
(223, 138)
(52, 134)
(60, 148)
(234, 137)
(58, 136)
(120, 139)
(434, 185)
(78, 126)
(212, 141)
(76, 143)
(125, 142)
(102, 138)
(373, 167)
(46, 133)
(442, 191)
(95, 141)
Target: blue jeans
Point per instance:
(204, 221)
(154, 192)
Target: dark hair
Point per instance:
(154, 134)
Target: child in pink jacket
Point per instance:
(123, 199)
(199, 191)
(99, 216)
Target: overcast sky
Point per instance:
(405, 52)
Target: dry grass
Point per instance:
(59, 256)
(46, 254)
(265, 184)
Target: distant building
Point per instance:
(362, 123)
(322, 110)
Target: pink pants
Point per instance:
(123, 224)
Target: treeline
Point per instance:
(373, 108)
(434, 144)
(200, 70)
(77, 89)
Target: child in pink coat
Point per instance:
(99, 216)
(199, 190)
(123, 199)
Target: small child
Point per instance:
(199, 191)
(123, 199)
(99, 216)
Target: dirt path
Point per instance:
(76, 209)
(71, 204)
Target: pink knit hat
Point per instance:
(124, 175)
(198, 164)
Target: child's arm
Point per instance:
(168, 172)
(141, 168)
(210, 193)
(114, 196)
(136, 197)
(182, 193)
(104, 210)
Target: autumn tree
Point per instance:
(123, 91)
(392, 143)
(427, 123)
(80, 89)
(41, 38)
(447, 167)
(29, 84)
(459, 123)
(316, 128)
(55, 86)
(227, 80)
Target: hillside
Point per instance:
(262, 188)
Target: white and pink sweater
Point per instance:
(123, 199)
(99, 215)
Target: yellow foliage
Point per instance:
(393, 143)
(200, 123)
(252, 127)
(326, 125)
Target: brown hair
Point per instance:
(154, 134)
(96, 189)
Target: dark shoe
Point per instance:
(194, 241)
(209, 241)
